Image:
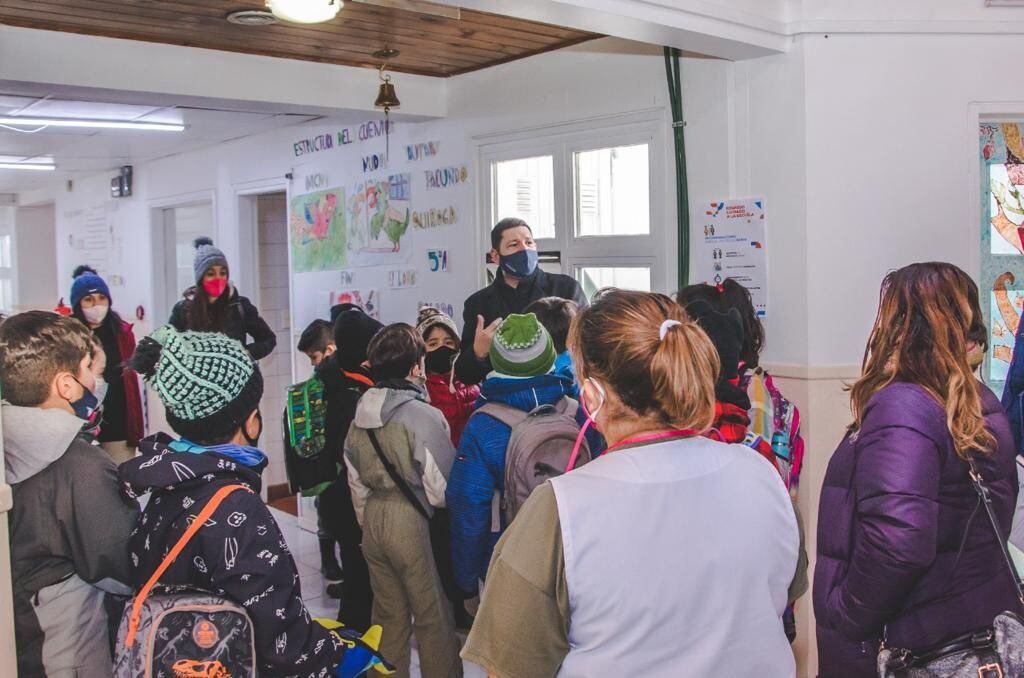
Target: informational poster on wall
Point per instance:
(729, 240)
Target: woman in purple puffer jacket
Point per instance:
(897, 502)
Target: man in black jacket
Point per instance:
(519, 283)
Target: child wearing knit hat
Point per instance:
(522, 355)
(446, 392)
(456, 401)
(211, 389)
(346, 379)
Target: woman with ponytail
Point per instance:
(905, 551)
(669, 555)
(214, 305)
(121, 425)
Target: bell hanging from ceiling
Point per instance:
(386, 96)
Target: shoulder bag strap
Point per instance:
(200, 520)
(986, 500)
(395, 476)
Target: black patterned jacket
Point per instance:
(239, 554)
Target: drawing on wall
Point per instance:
(400, 279)
(364, 298)
(347, 278)
(318, 234)
(437, 260)
(1001, 160)
(1006, 309)
(379, 213)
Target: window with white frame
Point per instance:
(7, 263)
(587, 192)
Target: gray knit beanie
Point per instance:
(206, 256)
(429, 318)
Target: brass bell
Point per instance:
(386, 96)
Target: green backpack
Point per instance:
(305, 439)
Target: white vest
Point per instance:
(678, 558)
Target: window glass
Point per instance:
(613, 191)
(5, 251)
(594, 278)
(6, 295)
(525, 188)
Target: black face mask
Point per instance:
(439, 361)
(254, 442)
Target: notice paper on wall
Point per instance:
(729, 240)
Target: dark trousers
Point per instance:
(339, 521)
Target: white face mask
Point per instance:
(100, 389)
(94, 315)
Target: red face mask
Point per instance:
(215, 286)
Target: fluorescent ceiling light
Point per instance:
(305, 11)
(93, 124)
(28, 166)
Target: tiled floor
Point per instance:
(304, 548)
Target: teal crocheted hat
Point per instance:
(522, 347)
(206, 380)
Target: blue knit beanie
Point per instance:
(206, 256)
(87, 281)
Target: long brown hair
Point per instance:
(920, 336)
(672, 380)
(204, 316)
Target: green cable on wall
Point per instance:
(673, 71)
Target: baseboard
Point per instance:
(847, 372)
(279, 491)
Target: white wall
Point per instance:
(35, 253)
(892, 148)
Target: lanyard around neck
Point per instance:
(653, 438)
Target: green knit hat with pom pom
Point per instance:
(522, 347)
(206, 380)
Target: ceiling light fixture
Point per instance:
(252, 17)
(305, 11)
(38, 166)
(92, 124)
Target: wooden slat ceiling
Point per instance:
(428, 44)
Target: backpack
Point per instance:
(777, 420)
(184, 633)
(539, 448)
(309, 470)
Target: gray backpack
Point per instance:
(539, 448)
(182, 633)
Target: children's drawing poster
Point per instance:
(318, 233)
(729, 240)
(1006, 309)
(379, 211)
(368, 300)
